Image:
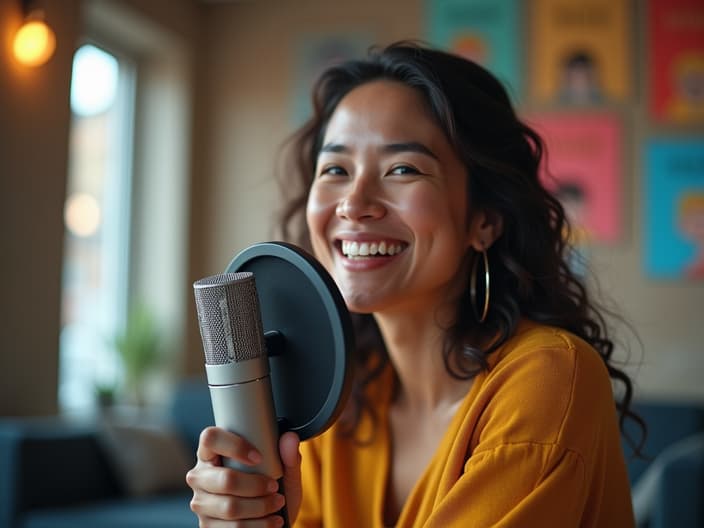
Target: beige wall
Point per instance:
(245, 107)
(34, 119)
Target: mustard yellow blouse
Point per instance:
(534, 443)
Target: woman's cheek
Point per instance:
(421, 211)
(319, 211)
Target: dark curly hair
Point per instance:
(530, 277)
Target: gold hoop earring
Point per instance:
(473, 288)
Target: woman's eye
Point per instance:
(333, 170)
(404, 169)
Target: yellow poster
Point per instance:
(581, 51)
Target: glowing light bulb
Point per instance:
(82, 214)
(34, 43)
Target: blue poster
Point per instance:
(674, 209)
(486, 31)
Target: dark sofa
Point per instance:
(59, 474)
(56, 474)
(668, 484)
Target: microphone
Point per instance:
(278, 356)
(237, 366)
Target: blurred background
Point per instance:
(139, 156)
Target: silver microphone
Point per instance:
(237, 366)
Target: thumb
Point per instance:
(290, 456)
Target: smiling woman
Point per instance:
(472, 406)
(397, 182)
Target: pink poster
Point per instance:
(583, 169)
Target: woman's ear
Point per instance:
(485, 227)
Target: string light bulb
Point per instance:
(35, 41)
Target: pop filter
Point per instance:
(308, 333)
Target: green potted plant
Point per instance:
(105, 395)
(139, 349)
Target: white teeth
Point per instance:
(364, 249)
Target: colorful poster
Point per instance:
(580, 51)
(676, 65)
(485, 31)
(315, 53)
(583, 169)
(674, 209)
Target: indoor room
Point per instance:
(147, 144)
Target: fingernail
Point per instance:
(272, 486)
(278, 522)
(254, 456)
(279, 501)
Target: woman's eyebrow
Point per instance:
(335, 148)
(407, 146)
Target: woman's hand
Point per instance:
(223, 494)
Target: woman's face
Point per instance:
(387, 210)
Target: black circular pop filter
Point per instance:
(311, 377)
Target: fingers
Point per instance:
(229, 508)
(227, 497)
(288, 448)
(273, 521)
(216, 442)
(226, 481)
(290, 456)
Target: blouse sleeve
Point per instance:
(495, 490)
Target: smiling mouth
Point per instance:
(382, 248)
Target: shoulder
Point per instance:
(562, 358)
(544, 385)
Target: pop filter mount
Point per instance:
(308, 333)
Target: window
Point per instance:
(97, 225)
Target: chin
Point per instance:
(359, 303)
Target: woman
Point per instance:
(482, 393)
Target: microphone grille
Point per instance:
(229, 318)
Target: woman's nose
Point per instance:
(360, 203)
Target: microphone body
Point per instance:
(245, 405)
(237, 365)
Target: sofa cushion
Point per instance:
(148, 460)
(171, 511)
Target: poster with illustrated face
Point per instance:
(485, 31)
(676, 60)
(580, 51)
(674, 209)
(316, 53)
(583, 169)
